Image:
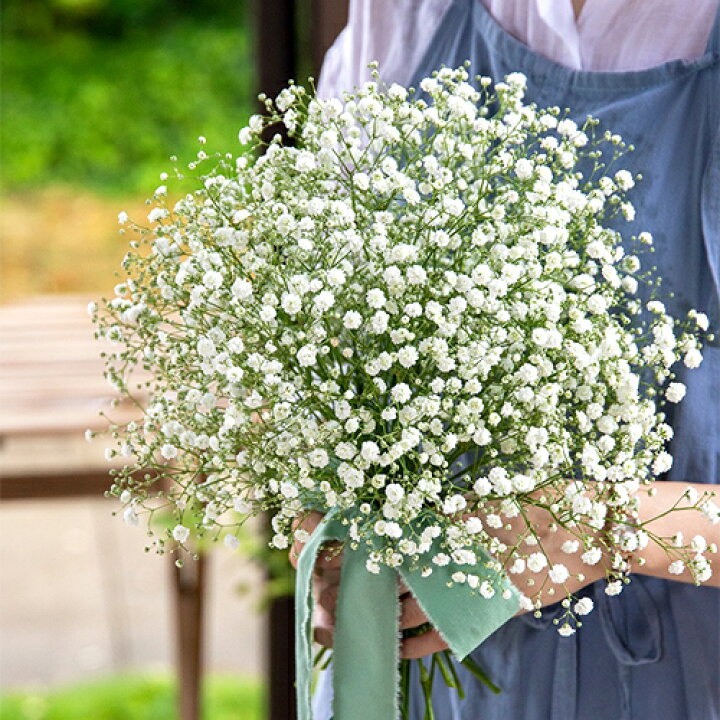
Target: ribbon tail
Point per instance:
(328, 529)
(464, 619)
(365, 655)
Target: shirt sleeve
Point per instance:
(395, 33)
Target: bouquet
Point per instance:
(418, 320)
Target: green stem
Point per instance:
(447, 677)
(405, 689)
(480, 674)
(456, 679)
(426, 683)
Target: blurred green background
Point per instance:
(133, 697)
(97, 94)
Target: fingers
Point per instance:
(323, 636)
(308, 523)
(325, 591)
(410, 613)
(410, 648)
(327, 598)
(422, 645)
(329, 558)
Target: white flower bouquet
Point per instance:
(417, 320)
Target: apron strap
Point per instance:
(714, 39)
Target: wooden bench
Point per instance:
(52, 390)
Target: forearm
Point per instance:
(659, 522)
(662, 524)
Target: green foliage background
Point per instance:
(98, 94)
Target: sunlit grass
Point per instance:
(135, 697)
(89, 120)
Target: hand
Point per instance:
(683, 522)
(412, 616)
(326, 581)
(327, 568)
(550, 541)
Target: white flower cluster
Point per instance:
(414, 315)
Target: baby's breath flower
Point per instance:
(428, 348)
(583, 606)
(181, 534)
(536, 562)
(231, 542)
(559, 573)
(675, 392)
(157, 213)
(592, 556)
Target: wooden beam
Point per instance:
(58, 484)
(44, 484)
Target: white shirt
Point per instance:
(608, 35)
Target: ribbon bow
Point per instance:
(366, 647)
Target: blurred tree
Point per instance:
(98, 93)
(112, 18)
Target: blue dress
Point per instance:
(654, 651)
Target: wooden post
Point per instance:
(277, 61)
(188, 590)
(328, 18)
(276, 44)
(281, 659)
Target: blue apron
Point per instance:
(654, 651)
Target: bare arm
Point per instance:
(685, 520)
(653, 511)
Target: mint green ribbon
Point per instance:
(367, 636)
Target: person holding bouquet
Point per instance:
(427, 331)
(651, 72)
